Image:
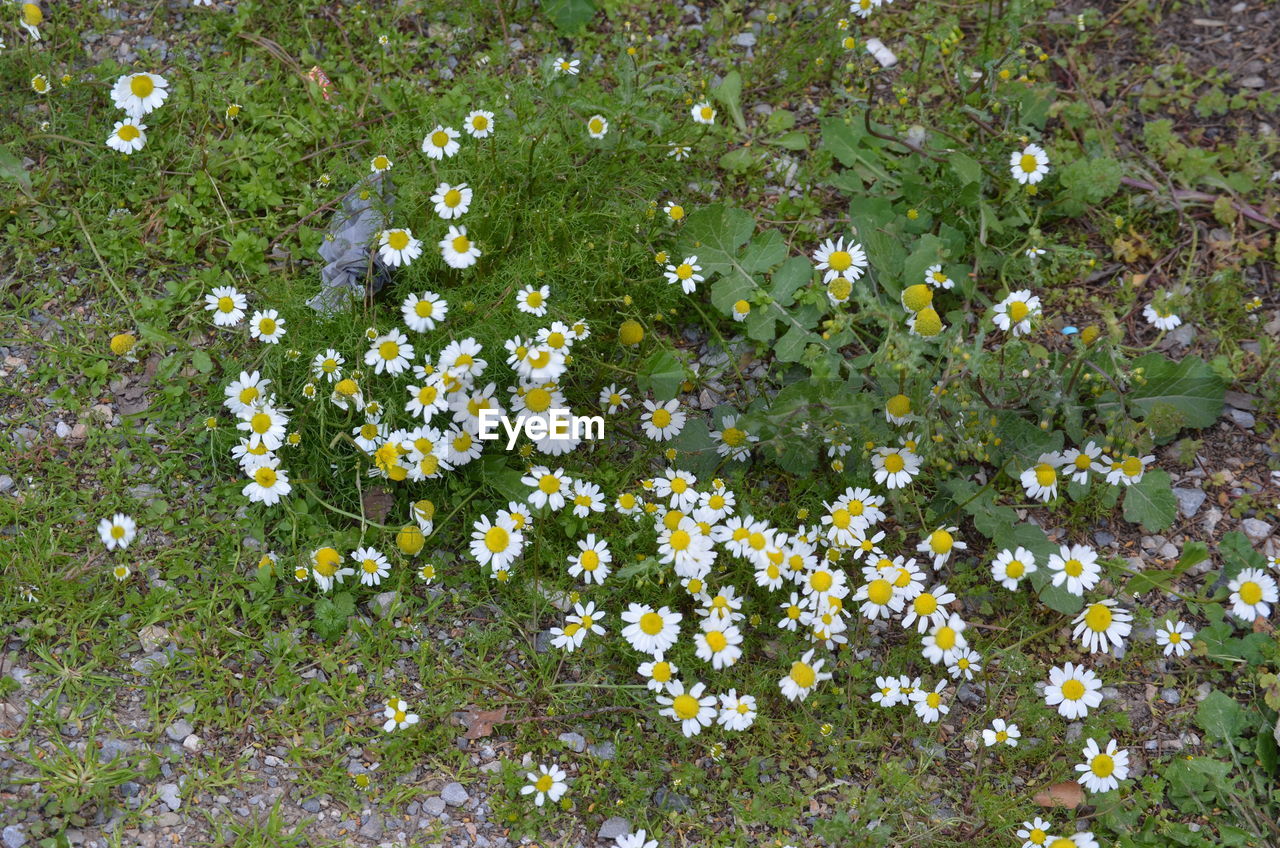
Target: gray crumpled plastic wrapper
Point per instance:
(348, 273)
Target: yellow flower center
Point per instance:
(1098, 618)
(661, 419)
(940, 542)
(424, 309)
(1073, 690)
(1073, 567)
(327, 561)
(427, 395)
(346, 387)
(496, 540)
(117, 532)
(141, 85)
(680, 540)
(821, 581)
(461, 244)
(389, 350)
(840, 518)
(544, 783)
(1046, 475)
(452, 198)
(260, 422)
(398, 240)
(440, 138)
(917, 297)
(717, 641)
(1018, 310)
(479, 122)
(129, 132)
(684, 271)
(893, 463)
(879, 592)
(1250, 592)
(1102, 765)
(661, 671)
(840, 260)
(685, 706)
(596, 125)
(1083, 462)
(267, 326)
(1028, 163)
(803, 675)
(369, 565)
(675, 211)
(933, 699)
(925, 604)
(1132, 466)
(945, 638)
(1015, 569)
(549, 484)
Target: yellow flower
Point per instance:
(122, 343)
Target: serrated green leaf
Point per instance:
(1190, 386)
(795, 140)
(1237, 554)
(1151, 502)
(569, 15)
(791, 346)
(12, 169)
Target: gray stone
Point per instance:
(1256, 529)
(673, 801)
(311, 805)
(145, 665)
(1241, 418)
(13, 837)
(169, 819)
(1104, 539)
(382, 603)
(969, 694)
(168, 793)
(613, 828)
(1170, 696)
(110, 748)
(179, 730)
(576, 742)
(6, 482)
(372, 828)
(129, 789)
(1074, 731)
(454, 795)
(603, 751)
(1169, 550)
(1189, 500)
(433, 806)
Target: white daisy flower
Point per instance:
(597, 126)
(1175, 637)
(1253, 591)
(1001, 733)
(1041, 480)
(934, 276)
(390, 353)
(703, 113)
(128, 136)
(895, 467)
(268, 483)
(662, 421)
(138, 94)
(1078, 462)
(1029, 165)
(1076, 567)
(803, 678)
(1103, 768)
(398, 247)
(836, 260)
(1015, 313)
(1011, 566)
(422, 312)
(533, 300)
(545, 784)
(478, 123)
(227, 305)
(452, 201)
(1129, 470)
(929, 705)
(1074, 690)
(397, 716)
(118, 531)
(685, 274)
(691, 709)
(441, 142)
(1102, 625)
(737, 712)
(371, 565)
(457, 249)
(567, 66)
(267, 326)
(380, 163)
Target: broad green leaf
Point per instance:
(843, 140)
(1237, 553)
(729, 94)
(966, 168)
(795, 140)
(569, 15)
(12, 170)
(738, 161)
(791, 346)
(1151, 502)
(662, 373)
(928, 251)
(1221, 716)
(1190, 386)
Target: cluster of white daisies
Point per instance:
(138, 95)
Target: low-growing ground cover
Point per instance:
(935, 362)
